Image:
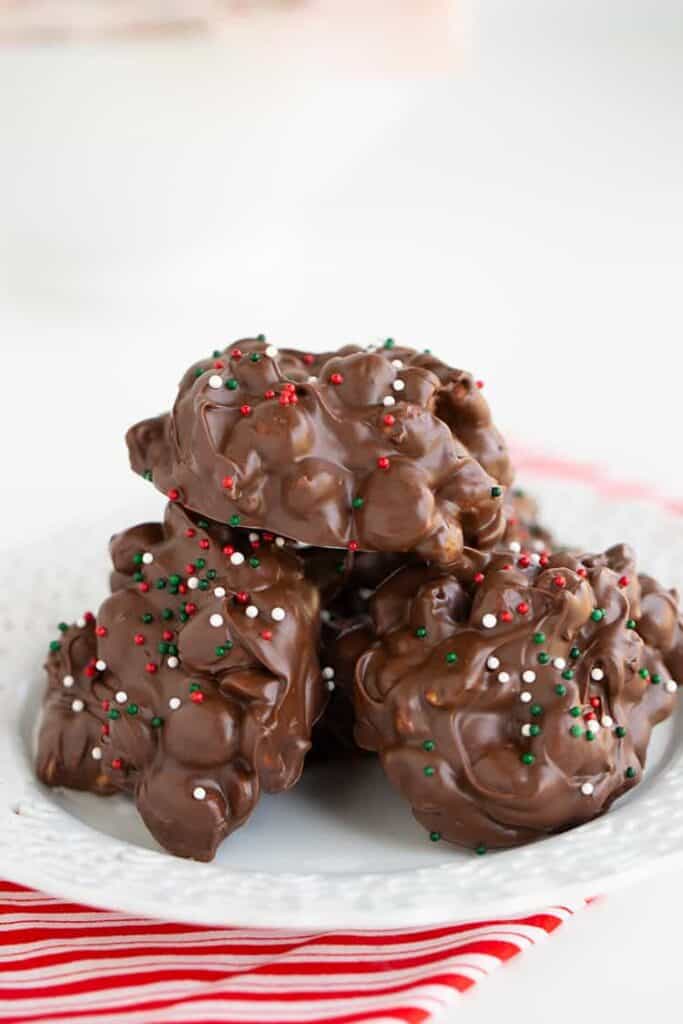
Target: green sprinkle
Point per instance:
(160, 583)
(166, 614)
(172, 649)
(194, 687)
(631, 624)
(451, 657)
(575, 653)
(147, 475)
(630, 773)
(137, 559)
(132, 709)
(429, 771)
(114, 714)
(148, 617)
(560, 690)
(55, 645)
(620, 731)
(138, 576)
(340, 567)
(496, 492)
(254, 563)
(535, 730)
(527, 758)
(216, 353)
(543, 658)
(643, 673)
(203, 585)
(518, 492)
(173, 589)
(203, 524)
(539, 638)
(575, 711)
(358, 502)
(157, 722)
(234, 520)
(183, 616)
(260, 337)
(421, 632)
(428, 745)
(174, 580)
(655, 678)
(480, 850)
(198, 371)
(598, 614)
(163, 647)
(435, 836)
(389, 343)
(536, 710)
(211, 574)
(255, 357)
(575, 730)
(568, 674)
(231, 384)
(200, 563)
(590, 736)
(62, 627)
(221, 651)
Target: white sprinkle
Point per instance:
(593, 726)
(325, 615)
(100, 665)
(215, 381)
(397, 364)
(538, 545)
(529, 676)
(489, 621)
(526, 730)
(328, 672)
(174, 703)
(370, 347)
(96, 753)
(587, 789)
(389, 400)
(219, 592)
(253, 536)
(80, 623)
(330, 684)
(535, 559)
(607, 721)
(236, 558)
(148, 558)
(270, 351)
(68, 681)
(597, 674)
(193, 582)
(280, 542)
(77, 705)
(251, 611)
(493, 663)
(515, 546)
(312, 380)
(560, 663)
(199, 793)
(670, 686)
(503, 677)
(525, 696)
(216, 620)
(172, 662)
(121, 697)
(365, 593)
(278, 614)
(399, 385)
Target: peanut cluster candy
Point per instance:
(196, 687)
(354, 458)
(514, 697)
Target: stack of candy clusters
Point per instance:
(341, 546)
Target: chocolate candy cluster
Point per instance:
(342, 563)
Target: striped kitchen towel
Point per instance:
(61, 963)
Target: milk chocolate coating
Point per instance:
(522, 704)
(355, 458)
(197, 687)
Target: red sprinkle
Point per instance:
(353, 545)
(336, 378)
(151, 667)
(308, 359)
(506, 616)
(190, 608)
(219, 365)
(479, 383)
(242, 597)
(478, 577)
(228, 549)
(522, 607)
(197, 697)
(268, 537)
(139, 639)
(236, 353)
(560, 582)
(204, 544)
(624, 581)
(190, 568)
(174, 494)
(267, 634)
(389, 420)
(228, 481)
(88, 617)
(105, 705)
(269, 393)
(383, 462)
(543, 560)
(524, 562)
(90, 671)
(116, 762)
(245, 410)
(167, 635)
(595, 702)
(506, 568)
(104, 729)
(190, 532)
(101, 630)
(582, 572)
(144, 587)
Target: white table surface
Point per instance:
(523, 216)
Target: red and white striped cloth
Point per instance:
(61, 963)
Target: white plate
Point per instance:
(340, 850)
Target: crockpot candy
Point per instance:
(354, 458)
(197, 686)
(514, 699)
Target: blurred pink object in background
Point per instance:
(363, 35)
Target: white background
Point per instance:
(523, 216)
